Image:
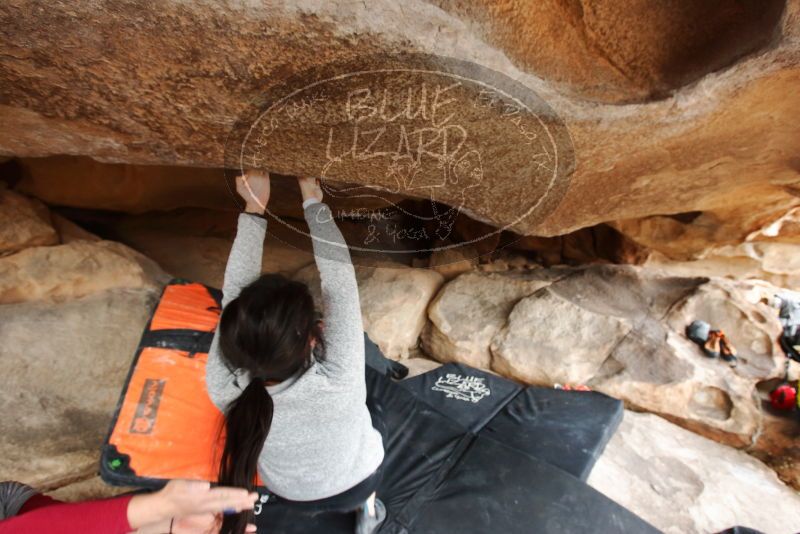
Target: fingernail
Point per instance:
(229, 511)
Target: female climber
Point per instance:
(295, 402)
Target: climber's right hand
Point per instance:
(310, 188)
(253, 186)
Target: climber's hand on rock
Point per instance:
(253, 186)
(310, 188)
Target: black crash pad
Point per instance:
(443, 478)
(568, 429)
(495, 488)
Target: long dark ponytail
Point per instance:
(267, 331)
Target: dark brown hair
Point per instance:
(267, 331)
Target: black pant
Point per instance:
(356, 496)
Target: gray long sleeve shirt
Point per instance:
(321, 441)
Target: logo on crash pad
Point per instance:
(406, 143)
(147, 408)
(464, 388)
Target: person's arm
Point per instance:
(107, 516)
(344, 333)
(181, 504)
(243, 267)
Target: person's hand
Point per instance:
(191, 497)
(201, 524)
(253, 186)
(184, 498)
(310, 188)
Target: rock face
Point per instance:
(74, 270)
(93, 488)
(669, 112)
(394, 299)
(691, 235)
(619, 330)
(72, 309)
(784, 230)
(201, 253)
(584, 49)
(453, 262)
(81, 182)
(683, 483)
(23, 223)
(775, 262)
(63, 367)
(779, 445)
(597, 132)
(467, 314)
(569, 343)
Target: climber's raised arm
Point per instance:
(343, 325)
(244, 261)
(244, 267)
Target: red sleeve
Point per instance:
(37, 501)
(108, 516)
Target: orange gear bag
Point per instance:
(165, 425)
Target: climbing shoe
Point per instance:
(727, 350)
(711, 347)
(698, 331)
(369, 524)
